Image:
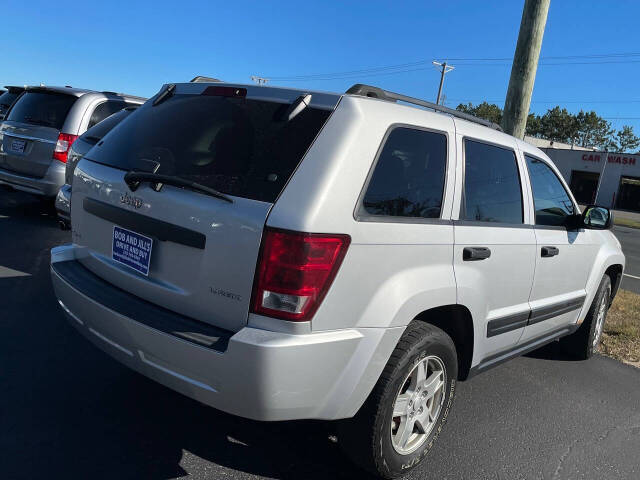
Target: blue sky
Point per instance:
(135, 47)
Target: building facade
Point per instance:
(607, 179)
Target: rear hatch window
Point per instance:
(239, 146)
(47, 109)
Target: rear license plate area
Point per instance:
(17, 146)
(131, 249)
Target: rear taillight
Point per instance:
(62, 146)
(295, 271)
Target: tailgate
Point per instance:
(27, 149)
(244, 142)
(30, 131)
(204, 250)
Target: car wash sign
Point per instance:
(611, 158)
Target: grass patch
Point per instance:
(626, 222)
(621, 336)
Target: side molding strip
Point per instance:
(545, 313)
(506, 324)
(519, 350)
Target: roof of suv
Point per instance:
(367, 91)
(79, 92)
(329, 99)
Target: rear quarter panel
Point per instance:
(392, 270)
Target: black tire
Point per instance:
(583, 342)
(47, 202)
(367, 438)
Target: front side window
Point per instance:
(492, 191)
(408, 180)
(552, 202)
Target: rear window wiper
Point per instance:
(165, 94)
(135, 178)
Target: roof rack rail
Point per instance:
(375, 92)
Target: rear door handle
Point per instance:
(550, 251)
(475, 253)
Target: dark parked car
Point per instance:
(7, 98)
(79, 148)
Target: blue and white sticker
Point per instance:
(131, 249)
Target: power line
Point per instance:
(546, 101)
(423, 65)
(557, 57)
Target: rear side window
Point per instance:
(7, 98)
(408, 179)
(492, 190)
(552, 202)
(47, 109)
(104, 110)
(95, 133)
(238, 146)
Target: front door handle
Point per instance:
(550, 251)
(475, 253)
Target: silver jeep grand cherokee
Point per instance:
(282, 254)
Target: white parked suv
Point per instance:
(282, 254)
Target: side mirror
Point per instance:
(597, 218)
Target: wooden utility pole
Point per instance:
(525, 64)
(444, 70)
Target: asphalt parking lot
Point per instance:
(68, 411)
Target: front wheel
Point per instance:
(404, 414)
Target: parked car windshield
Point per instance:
(238, 146)
(48, 109)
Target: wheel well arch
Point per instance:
(615, 274)
(456, 321)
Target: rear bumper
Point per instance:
(46, 186)
(63, 203)
(254, 373)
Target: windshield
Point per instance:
(237, 146)
(47, 109)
